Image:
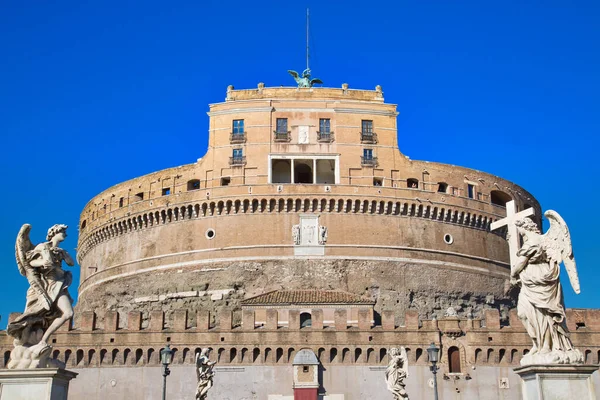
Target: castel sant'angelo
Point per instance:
(302, 227)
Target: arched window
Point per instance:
(499, 198)
(305, 320)
(442, 187)
(193, 184)
(412, 183)
(454, 360)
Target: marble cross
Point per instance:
(512, 216)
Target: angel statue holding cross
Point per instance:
(540, 305)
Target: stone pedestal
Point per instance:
(35, 384)
(557, 382)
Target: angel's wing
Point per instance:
(293, 73)
(313, 81)
(557, 243)
(404, 358)
(22, 246)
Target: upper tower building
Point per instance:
(300, 188)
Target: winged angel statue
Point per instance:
(48, 303)
(396, 372)
(540, 305)
(204, 373)
(304, 80)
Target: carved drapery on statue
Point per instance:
(48, 304)
(396, 372)
(204, 373)
(541, 305)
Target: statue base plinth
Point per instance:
(557, 381)
(35, 384)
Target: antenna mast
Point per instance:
(307, 23)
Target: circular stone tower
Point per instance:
(300, 188)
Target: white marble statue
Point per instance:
(296, 234)
(322, 234)
(48, 303)
(540, 305)
(204, 373)
(396, 372)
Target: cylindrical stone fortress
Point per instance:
(300, 188)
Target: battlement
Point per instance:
(320, 93)
(136, 339)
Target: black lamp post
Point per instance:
(434, 357)
(166, 355)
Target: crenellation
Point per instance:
(156, 320)
(341, 319)
(388, 320)
(134, 321)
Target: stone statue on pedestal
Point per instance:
(540, 305)
(396, 372)
(204, 373)
(48, 304)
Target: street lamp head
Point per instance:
(434, 353)
(166, 355)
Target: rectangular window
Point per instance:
(367, 127)
(121, 200)
(471, 191)
(237, 153)
(368, 154)
(324, 125)
(225, 181)
(282, 125)
(166, 191)
(238, 126)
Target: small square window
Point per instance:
(368, 154)
(225, 181)
(166, 191)
(324, 125)
(238, 153)
(282, 125)
(377, 182)
(367, 127)
(470, 191)
(238, 126)
(305, 369)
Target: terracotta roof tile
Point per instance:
(306, 297)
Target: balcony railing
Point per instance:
(237, 161)
(282, 136)
(237, 137)
(368, 137)
(368, 161)
(325, 137)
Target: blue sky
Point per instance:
(94, 93)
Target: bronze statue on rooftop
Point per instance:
(304, 80)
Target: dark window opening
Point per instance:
(470, 191)
(305, 320)
(83, 224)
(282, 125)
(121, 201)
(303, 173)
(238, 126)
(166, 191)
(377, 182)
(412, 183)
(193, 184)
(499, 198)
(138, 197)
(225, 181)
(579, 325)
(442, 187)
(305, 369)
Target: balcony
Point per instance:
(368, 161)
(237, 137)
(237, 161)
(368, 137)
(282, 136)
(325, 137)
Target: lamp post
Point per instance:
(434, 354)
(166, 355)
